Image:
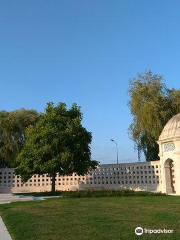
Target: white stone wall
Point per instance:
(145, 176)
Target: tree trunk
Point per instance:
(53, 185)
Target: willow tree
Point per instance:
(58, 143)
(12, 133)
(152, 104)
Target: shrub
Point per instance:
(108, 193)
(41, 194)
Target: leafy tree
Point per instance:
(12, 133)
(152, 104)
(58, 143)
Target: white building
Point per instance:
(169, 153)
(162, 175)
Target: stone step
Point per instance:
(4, 196)
(15, 200)
(7, 198)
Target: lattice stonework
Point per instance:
(169, 147)
(145, 176)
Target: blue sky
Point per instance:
(86, 52)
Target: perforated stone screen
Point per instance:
(169, 147)
(138, 176)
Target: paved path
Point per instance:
(4, 234)
(7, 198)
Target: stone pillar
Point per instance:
(177, 175)
(168, 179)
(163, 177)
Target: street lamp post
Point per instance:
(116, 148)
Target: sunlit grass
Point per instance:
(102, 218)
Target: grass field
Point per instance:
(104, 218)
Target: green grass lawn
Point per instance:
(113, 218)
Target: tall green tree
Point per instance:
(58, 143)
(152, 104)
(12, 133)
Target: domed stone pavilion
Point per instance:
(169, 153)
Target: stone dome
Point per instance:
(171, 129)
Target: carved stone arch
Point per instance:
(169, 176)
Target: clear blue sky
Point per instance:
(86, 52)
